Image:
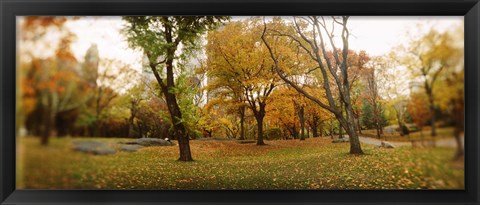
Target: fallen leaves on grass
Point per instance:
(284, 164)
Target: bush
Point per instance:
(273, 134)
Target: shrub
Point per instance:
(273, 134)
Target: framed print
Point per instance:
(239, 102)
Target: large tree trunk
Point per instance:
(353, 137)
(355, 147)
(259, 117)
(359, 127)
(180, 132)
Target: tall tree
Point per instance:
(373, 98)
(237, 58)
(312, 34)
(418, 110)
(426, 58)
(392, 82)
(165, 40)
(46, 84)
(451, 97)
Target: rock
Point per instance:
(153, 142)
(340, 140)
(130, 148)
(104, 151)
(93, 147)
(385, 144)
(392, 129)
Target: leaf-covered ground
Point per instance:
(286, 164)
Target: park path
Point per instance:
(450, 142)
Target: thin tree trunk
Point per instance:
(301, 115)
(259, 117)
(47, 128)
(130, 125)
(315, 131)
(432, 108)
(260, 131)
(242, 123)
(459, 152)
(459, 116)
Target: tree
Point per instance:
(47, 82)
(102, 77)
(238, 61)
(309, 37)
(392, 82)
(165, 40)
(228, 95)
(426, 58)
(418, 108)
(220, 117)
(451, 89)
(54, 83)
(283, 111)
(373, 98)
(372, 119)
(316, 116)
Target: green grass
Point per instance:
(290, 164)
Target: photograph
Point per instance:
(240, 103)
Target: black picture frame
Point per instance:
(9, 9)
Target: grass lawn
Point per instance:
(284, 164)
(442, 133)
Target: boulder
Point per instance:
(392, 129)
(104, 151)
(385, 144)
(153, 142)
(93, 147)
(340, 140)
(130, 148)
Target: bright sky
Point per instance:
(377, 35)
(106, 33)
